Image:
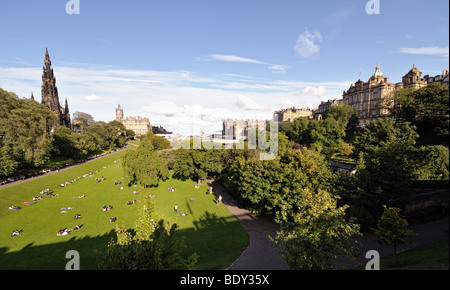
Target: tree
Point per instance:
(197, 164)
(154, 246)
(384, 132)
(392, 230)
(25, 131)
(426, 108)
(83, 120)
(313, 236)
(159, 143)
(274, 185)
(144, 166)
(66, 143)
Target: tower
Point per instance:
(49, 93)
(119, 114)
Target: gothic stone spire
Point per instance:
(49, 92)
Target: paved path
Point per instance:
(427, 233)
(261, 253)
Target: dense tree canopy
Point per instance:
(338, 127)
(427, 108)
(144, 166)
(30, 136)
(25, 133)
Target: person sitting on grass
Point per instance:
(77, 216)
(15, 233)
(112, 219)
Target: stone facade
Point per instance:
(49, 94)
(367, 97)
(139, 125)
(238, 129)
(288, 115)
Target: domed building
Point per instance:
(367, 97)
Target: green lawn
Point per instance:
(211, 231)
(432, 256)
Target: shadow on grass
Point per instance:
(53, 256)
(217, 240)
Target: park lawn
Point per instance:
(210, 230)
(433, 256)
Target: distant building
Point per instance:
(238, 129)
(367, 97)
(443, 79)
(290, 114)
(49, 94)
(139, 125)
(324, 106)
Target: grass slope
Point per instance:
(210, 230)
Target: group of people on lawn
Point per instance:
(62, 232)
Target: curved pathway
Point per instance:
(261, 252)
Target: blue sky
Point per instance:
(178, 62)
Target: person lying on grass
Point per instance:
(64, 232)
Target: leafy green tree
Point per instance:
(144, 166)
(328, 135)
(274, 185)
(426, 108)
(314, 235)
(392, 230)
(154, 246)
(197, 164)
(83, 120)
(25, 131)
(159, 143)
(66, 143)
(384, 132)
(8, 162)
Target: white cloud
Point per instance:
(231, 58)
(248, 104)
(443, 52)
(313, 91)
(166, 97)
(307, 45)
(165, 108)
(93, 98)
(274, 68)
(278, 69)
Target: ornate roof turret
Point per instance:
(377, 72)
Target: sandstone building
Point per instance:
(288, 115)
(367, 97)
(139, 125)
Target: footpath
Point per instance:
(261, 252)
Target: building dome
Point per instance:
(377, 72)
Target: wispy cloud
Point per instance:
(442, 52)
(173, 99)
(274, 68)
(314, 91)
(248, 104)
(230, 58)
(308, 45)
